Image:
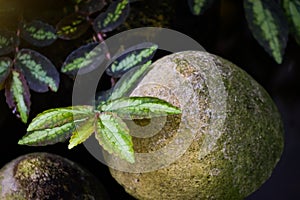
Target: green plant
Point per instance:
(22, 69)
(80, 122)
(30, 69)
(268, 20)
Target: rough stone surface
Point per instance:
(47, 176)
(227, 160)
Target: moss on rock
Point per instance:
(47, 176)
(227, 160)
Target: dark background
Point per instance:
(222, 30)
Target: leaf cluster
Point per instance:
(269, 21)
(22, 69)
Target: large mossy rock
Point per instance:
(236, 131)
(47, 176)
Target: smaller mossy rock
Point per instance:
(236, 131)
(47, 176)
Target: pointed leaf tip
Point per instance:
(56, 125)
(140, 107)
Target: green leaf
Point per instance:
(58, 116)
(38, 33)
(39, 72)
(113, 135)
(48, 136)
(5, 67)
(56, 125)
(115, 15)
(128, 81)
(18, 96)
(72, 26)
(139, 107)
(292, 11)
(8, 42)
(130, 58)
(268, 25)
(197, 7)
(86, 58)
(82, 132)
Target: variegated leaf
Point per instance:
(197, 7)
(82, 132)
(72, 26)
(8, 42)
(114, 16)
(48, 136)
(38, 33)
(18, 96)
(56, 125)
(113, 135)
(58, 116)
(268, 25)
(86, 58)
(130, 58)
(292, 11)
(5, 67)
(39, 72)
(128, 81)
(139, 107)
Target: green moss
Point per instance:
(47, 176)
(229, 163)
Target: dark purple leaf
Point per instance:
(8, 42)
(38, 33)
(130, 58)
(18, 95)
(115, 15)
(72, 26)
(5, 67)
(38, 70)
(86, 58)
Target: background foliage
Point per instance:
(222, 29)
